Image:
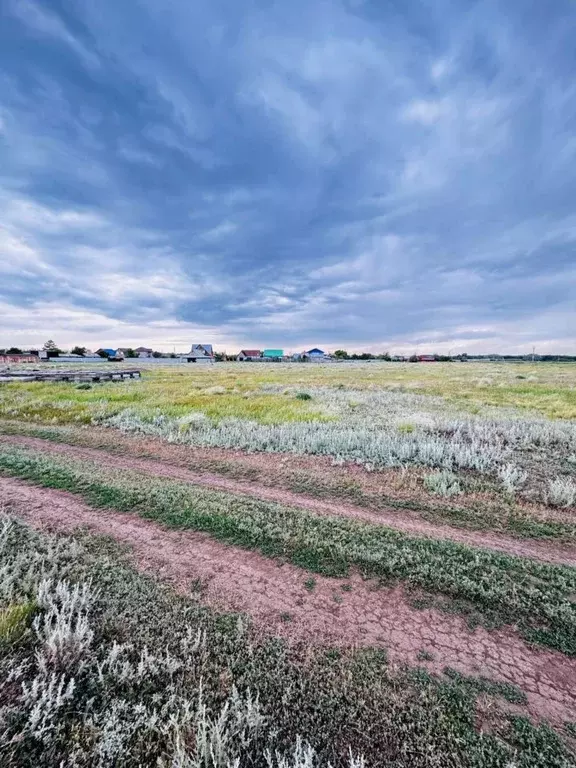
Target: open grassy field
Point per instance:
(356, 565)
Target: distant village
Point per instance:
(205, 354)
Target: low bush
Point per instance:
(443, 484)
(561, 492)
(512, 478)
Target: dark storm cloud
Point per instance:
(289, 173)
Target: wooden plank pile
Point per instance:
(77, 376)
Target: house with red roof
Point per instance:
(249, 354)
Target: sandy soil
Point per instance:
(543, 550)
(274, 595)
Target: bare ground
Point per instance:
(543, 550)
(275, 597)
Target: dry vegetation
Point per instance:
(103, 666)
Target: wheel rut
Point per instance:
(275, 596)
(544, 551)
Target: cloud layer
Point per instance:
(381, 175)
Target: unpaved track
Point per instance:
(545, 551)
(271, 593)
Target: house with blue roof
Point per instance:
(111, 354)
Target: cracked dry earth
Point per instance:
(270, 592)
(545, 551)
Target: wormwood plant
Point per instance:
(115, 669)
(443, 484)
(561, 492)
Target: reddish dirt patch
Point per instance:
(274, 595)
(545, 551)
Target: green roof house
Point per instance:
(273, 354)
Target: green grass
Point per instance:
(489, 586)
(336, 701)
(479, 685)
(173, 393)
(14, 620)
(547, 389)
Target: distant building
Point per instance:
(249, 354)
(111, 354)
(426, 358)
(311, 355)
(273, 354)
(199, 353)
(19, 358)
(138, 352)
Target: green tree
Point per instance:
(156, 354)
(79, 351)
(51, 348)
(341, 353)
(130, 353)
(13, 351)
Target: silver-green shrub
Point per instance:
(443, 484)
(561, 492)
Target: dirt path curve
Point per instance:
(276, 598)
(545, 551)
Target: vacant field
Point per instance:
(291, 565)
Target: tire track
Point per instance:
(271, 593)
(542, 550)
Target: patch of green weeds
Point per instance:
(310, 584)
(478, 685)
(14, 620)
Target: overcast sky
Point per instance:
(383, 174)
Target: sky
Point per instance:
(363, 174)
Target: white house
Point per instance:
(312, 355)
(200, 353)
(144, 351)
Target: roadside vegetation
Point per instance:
(103, 666)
